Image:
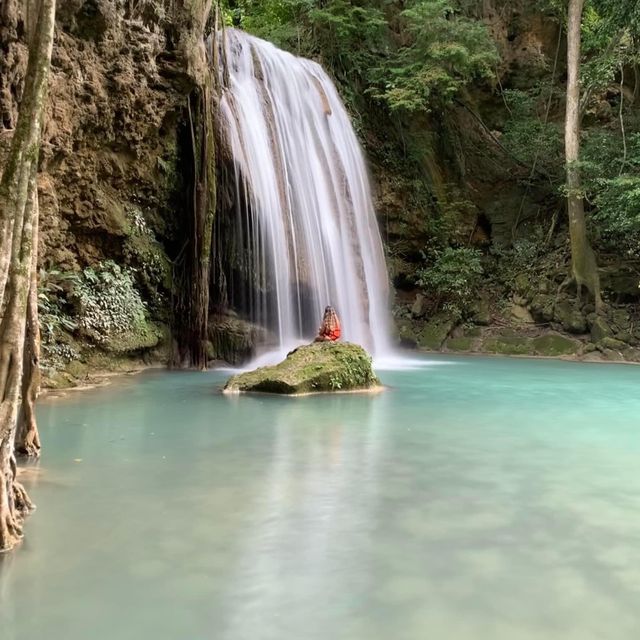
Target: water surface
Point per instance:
(485, 499)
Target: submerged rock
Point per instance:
(314, 368)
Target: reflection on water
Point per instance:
(310, 519)
(499, 499)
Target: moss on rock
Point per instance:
(555, 345)
(233, 340)
(612, 344)
(144, 335)
(463, 343)
(568, 314)
(435, 333)
(508, 345)
(600, 329)
(314, 368)
(407, 333)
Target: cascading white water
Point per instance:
(303, 199)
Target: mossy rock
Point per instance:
(621, 320)
(631, 355)
(542, 307)
(613, 344)
(77, 369)
(555, 345)
(233, 339)
(406, 333)
(508, 345)
(58, 381)
(315, 368)
(521, 314)
(419, 307)
(462, 343)
(600, 329)
(144, 336)
(434, 333)
(570, 317)
(522, 283)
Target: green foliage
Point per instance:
(603, 157)
(528, 136)
(442, 50)
(612, 185)
(53, 314)
(525, 254)
(147, 260)
(108, 303)
(349, 34)
(454, 277)
(446, 51)
(618, 213)
(55, 318)
(610, 39)
(282, 22)
(346, 35)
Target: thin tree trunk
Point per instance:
(27, 435)
(18, 230)
(583, 262)
(14, 186)
(12, 337)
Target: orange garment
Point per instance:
(330, 329)
(334, 334)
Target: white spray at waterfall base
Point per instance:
(303, 199)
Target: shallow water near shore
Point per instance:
(487, 499)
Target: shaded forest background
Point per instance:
(460, 105)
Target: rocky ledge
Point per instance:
(315, 368)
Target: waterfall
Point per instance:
(302, 207)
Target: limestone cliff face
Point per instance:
(119, 85)
(110, 176)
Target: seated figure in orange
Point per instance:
(330, 328)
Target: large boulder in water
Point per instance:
(314, 368)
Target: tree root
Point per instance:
(10, 517)
(30, 448)
(21, 499)
(10, 532)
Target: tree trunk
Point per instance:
(27, 436)
(12, 338)
(584, 268)
(18, 230)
